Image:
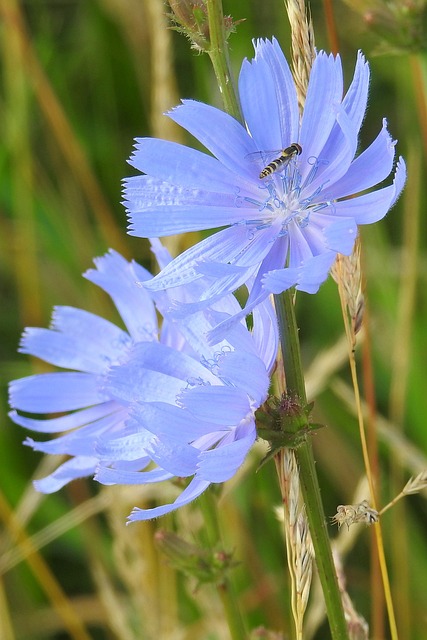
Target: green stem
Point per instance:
(218, 53)
(232, 611)
(308, 478)
(225, 588)
(207, 502)
(289, 342)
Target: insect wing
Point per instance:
(271, 161)
(265, 161)
(262, 158)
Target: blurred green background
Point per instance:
(79, 80)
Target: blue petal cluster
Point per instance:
(147, 402)
(143, 405)
(280, 231)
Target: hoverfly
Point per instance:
(284, 156)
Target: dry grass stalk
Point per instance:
(142, 22)
(409, 456)
(303, 52)
(304, 554)
(347, 273)
(150, 581)
(414, 485)
(14, 554)
(6, 624)
(299, 547)
(137, 563)
(343, 544)
(45, 578)
(63, 134)
(358, 628)
(325, 366)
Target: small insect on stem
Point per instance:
(282, 160)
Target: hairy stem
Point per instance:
(308, 478)
(225, 588)
(218, 53)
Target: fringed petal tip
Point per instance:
(196, 487)
(399, 181)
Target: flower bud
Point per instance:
(284, 422)
(191, 19)
(206, 565)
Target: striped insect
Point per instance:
(283, 158)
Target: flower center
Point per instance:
(281, 198)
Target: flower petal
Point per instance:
(265, 333)
(70, 421)
(371, 207)
(247, 372)
(224, 328)
(315, 272)
(119, 279)
(258, 293)
(279, 280)
(258, 99)
(399, 179)
(356, 98)
(168, 219)
(224, 136)
(155, 356)
(324, 92)
(286, 95)
(308, 277)
(129, 447)
(222, 246)
(108, 476)
(169, 420)
(176, 164)
(55, 392)
(90, 351)
(130, 383)
(336, 233)
(341, 235)
(221, 463)
(353, 107)
(161, 253)
(71, 470)
(174, 456)
(224, 406)
(81, 441)
(368, 169)
(335, 159)
(194, 489)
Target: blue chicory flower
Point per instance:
(282, 228)
(145, 395)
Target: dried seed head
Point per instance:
(347, 273)
(415, 485)
(351, 514)
(303, 50)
